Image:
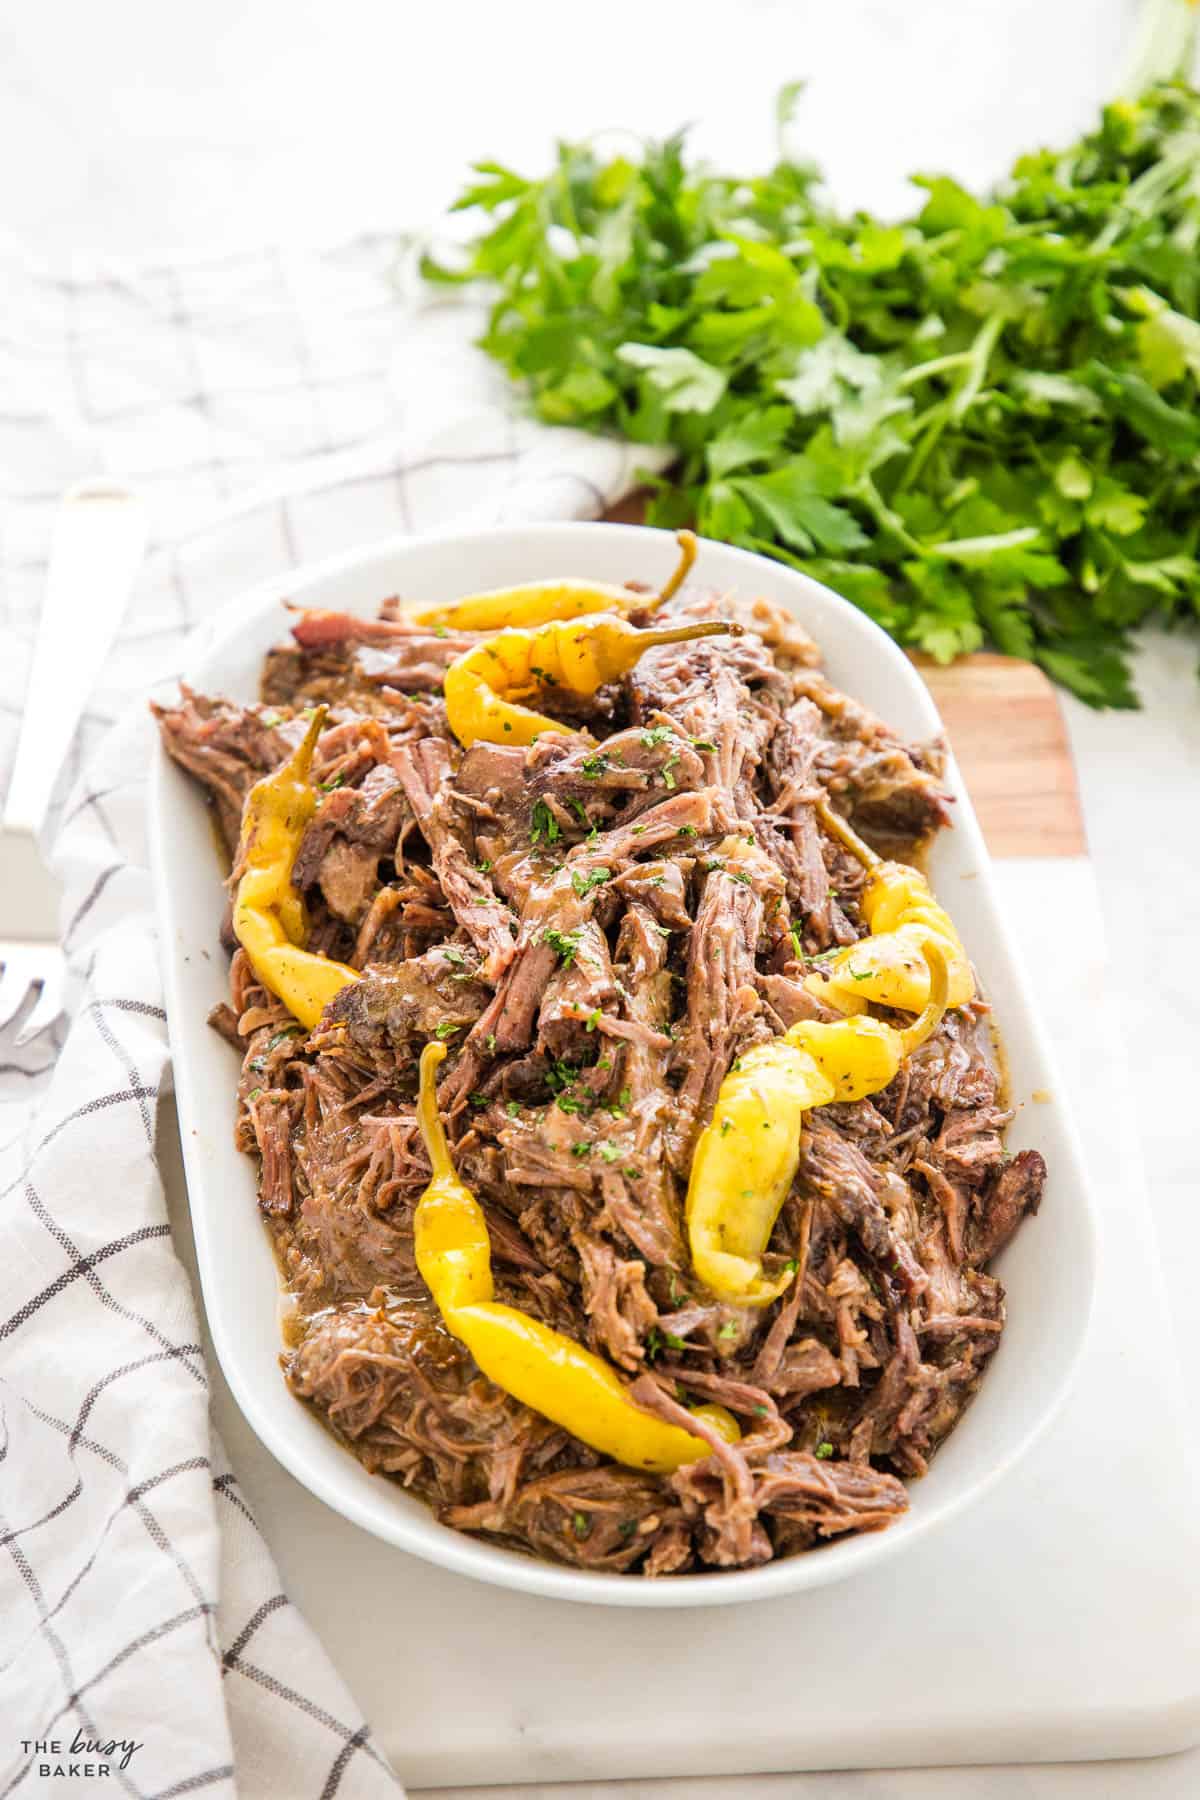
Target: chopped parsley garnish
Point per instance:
(453, 955)
(281, 1037)
(797, 941)
(728, 1330)
(581, 1524)
(564, 943)
(585, 883)
(594, 766)
(824, 1450)
(703, 744)
(609, 1152)
(544, 827)
(593, 1019)
(674, 1343)
(512, 1109)
(660, 734)
(446, 1029)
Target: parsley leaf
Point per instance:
(544, 827)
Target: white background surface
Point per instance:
(132, 127)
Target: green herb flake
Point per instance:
(824, 1450)
(446, 1029)
(585, 882)
(728, 1330)
(609, 1152)
(564, 943)
(512, 1108)
(581, 1524)
(544, 828)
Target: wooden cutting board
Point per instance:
(1005, 723)
(1006, 726)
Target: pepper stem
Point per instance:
(927, 1021)
(837, 827)
(433, 1133)
(299, 763)
(687, 556)
(682, 634)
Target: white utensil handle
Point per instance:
(99, 542)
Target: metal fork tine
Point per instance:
(14, 984)
(49, 1003)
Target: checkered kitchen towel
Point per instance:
(272, 408)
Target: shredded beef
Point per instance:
(596, 926)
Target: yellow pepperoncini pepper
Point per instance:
(889, 967)
(484, 685)
(268, 913)
(746, 1158)
(540, 602)
(540, 1367)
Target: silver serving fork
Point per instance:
(99, 542)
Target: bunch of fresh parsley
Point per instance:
(979, 424)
